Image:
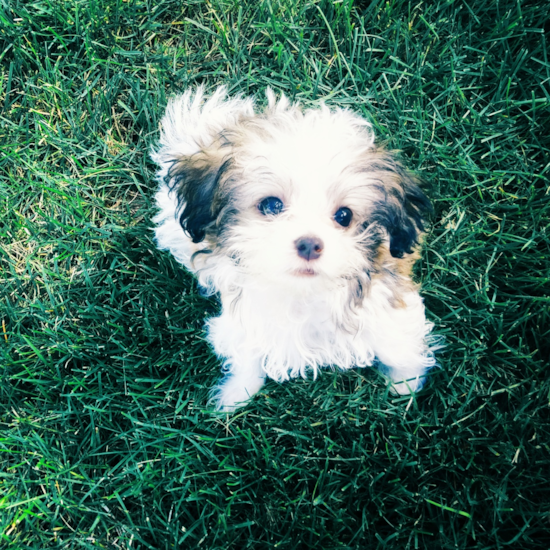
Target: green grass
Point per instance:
(105, 437)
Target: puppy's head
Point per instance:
(294, 197)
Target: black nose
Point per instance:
(309, 248)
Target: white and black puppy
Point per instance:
(306, 229)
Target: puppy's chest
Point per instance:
(278, 323)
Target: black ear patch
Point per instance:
(403, 209)
(200, 198)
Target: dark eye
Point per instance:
(343, 216)
(271, 205)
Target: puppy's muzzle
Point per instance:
(309, 248)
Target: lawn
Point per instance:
(106, 436)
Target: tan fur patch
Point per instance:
(397, 272)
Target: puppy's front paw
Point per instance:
(406, 387)
(403, 382)
(234, 392)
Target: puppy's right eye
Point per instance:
(271, 205)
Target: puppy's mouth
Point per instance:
(304, 272)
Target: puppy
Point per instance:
(305, 228)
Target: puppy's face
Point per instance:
(302, 205)
(299, 198)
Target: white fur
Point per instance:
(274, 322)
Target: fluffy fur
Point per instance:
(348, 300)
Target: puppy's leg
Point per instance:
(400, 344)
(244, 375)
(242, 381)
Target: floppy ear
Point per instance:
(194, 156)
(404, 207)
(198, 181)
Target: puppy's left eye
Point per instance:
(343, 216)
(271, 205)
